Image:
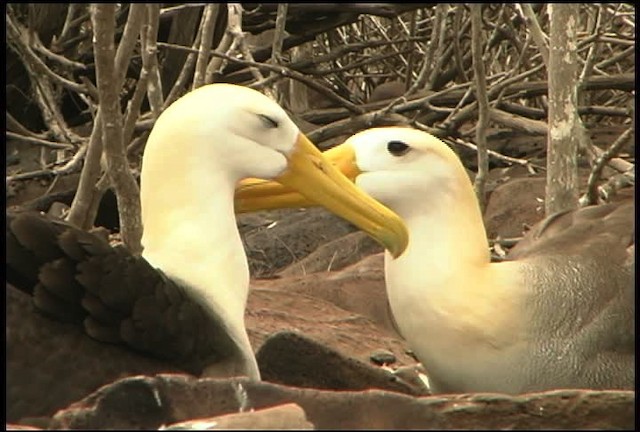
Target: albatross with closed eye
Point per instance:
(180, 306)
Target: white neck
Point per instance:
(190, 233)
(443, 291)
(445, 228)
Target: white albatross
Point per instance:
(558, 313)
(183, 302)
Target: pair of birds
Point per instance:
(560, 314)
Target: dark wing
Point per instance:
(51, 364)
(607, 229)
(77, 277)
(582, 267)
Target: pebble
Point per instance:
(382, 357)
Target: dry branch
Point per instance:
(536, 31)
(206, 28)
(590, 196)
(38, 141)
(348, 57)
(127, 192)
(525, 125)
(278, 36)
(148, 38)
(18, 36)
(181, 82)
(561, 191)
(85, 202)
(483, 103)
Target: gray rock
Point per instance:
(292, 359)
(382, 357)
(287, 416)
(335, 255)
(289, 236)
(150, 402)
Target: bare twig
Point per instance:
(84, 206)
(149, 37)
(483, 102)
(74, 163)
(528, 126)
(127, 192)
(619, 181)
(69, 23)
(466, 112)
(128, 42)
(492, 153)
(590, 196)
(278, 36)
(12, 124)
(536, 31)
(440, 55)
(457, 19)
(616, 58)
(181, 82)
(427, 63)
(226, 45)
(17, 36)
(353, 124)
(285, 72)
(412, 54)
(42, 88)
(173, 10)
(133, 107)
(38, 141)
(206, 27)
(62, 60)
(235, 29)
(594, 49)
(70, 167)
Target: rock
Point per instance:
(517, 201)
(359, 288)
(275, 310)
(291, 236)
(388, 90)
(514, 205)
(382, 357)
(287, 416)
(36, 366)
(414, 375)
(150, 402)
(292, 359)
(335, 255)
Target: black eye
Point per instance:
(397, 148)
(268, 121)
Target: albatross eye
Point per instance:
(397, 148)
(268, 121)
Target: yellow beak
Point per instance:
(312, 179)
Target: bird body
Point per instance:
(558, 313)
(182, 302)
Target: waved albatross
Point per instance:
(558, 313)
(179, 307)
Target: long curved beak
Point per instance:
(314, 178)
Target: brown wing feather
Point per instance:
(607, 229)
(110, 295)
(580, 266)
(51, 364)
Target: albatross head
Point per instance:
(398, 166)
(217, 135)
